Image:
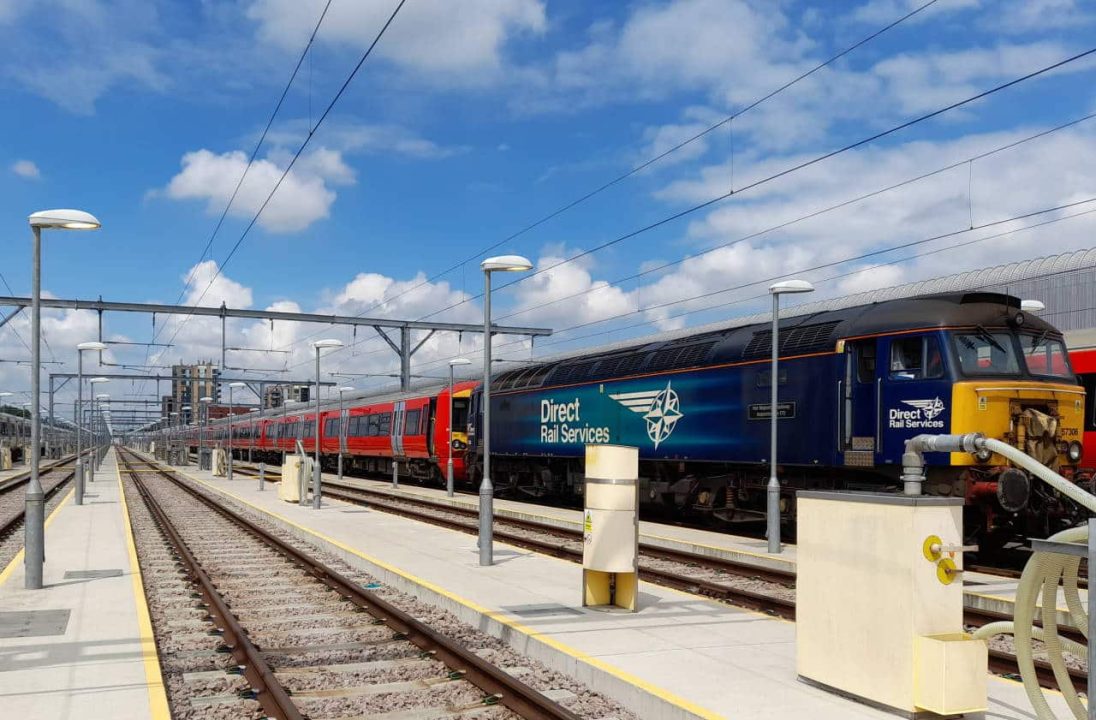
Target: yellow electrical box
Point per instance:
(877, 618)
(289, 489)
(610, 524)
(950, 673)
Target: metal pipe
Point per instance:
(34, 525)
(449, 450)
(913, 460)
(316, 499)
(772, 511)
(487, 490)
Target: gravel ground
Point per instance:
(334, 660)
(12, 503)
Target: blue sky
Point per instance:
(474, 119)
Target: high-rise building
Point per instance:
(190, 383)
(274, 395)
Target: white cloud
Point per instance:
(304, 197)
(26, 169)
(457, 43)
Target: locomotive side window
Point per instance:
(865, 362)
(916, 358)
(986, 353)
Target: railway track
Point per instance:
(54, 478)
(304, 639)
(567, 544)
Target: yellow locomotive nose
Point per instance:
(1042, 419)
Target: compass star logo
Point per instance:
(930, 408)
(660, 408)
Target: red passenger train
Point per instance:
(410, 429)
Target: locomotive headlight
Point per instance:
(1074, 452)
(983, 455)
(459, 444)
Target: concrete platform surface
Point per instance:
(982, 591)
(82, 646)
(680, 656)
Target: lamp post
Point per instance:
(171, 437)
(342, 427)
(231, 386)
(5, 395)
(35, 514)
(89, 469)
(102, 425)
(251, 433)
(184, 422)
(772, 514)
(203, 410)
(319, 345)
(449, 463)
(79, 411)
(502, 263)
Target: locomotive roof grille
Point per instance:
(682, 356)
(622, 364)
(793, 341)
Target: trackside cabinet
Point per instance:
(610, 521)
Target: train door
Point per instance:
(398, 411)
(860, 401)
(431, 424)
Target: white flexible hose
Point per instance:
(1041, 576)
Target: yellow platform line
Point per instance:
(575, 653)
(150, 657)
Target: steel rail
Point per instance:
(13, 523)
(507, 689)
(1000, 662)
(268, 691)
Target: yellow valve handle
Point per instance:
(946, 572)
(931, 548)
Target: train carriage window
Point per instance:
(331, 427)
(373, 425)
(353, 425)
(411, 422)
(386, 423)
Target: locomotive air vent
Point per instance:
(682, 356)
(623, 364)
(793, 341)
(573, 372)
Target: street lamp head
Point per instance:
(186, 407)
(455, 362)
(327, 343)
(92, 345)
(506, 263)
(64, 220)
(237, 384)
(791, 286)
(1032, 305)
(347, 388)
(206, 399)
(6, 394)
(97, 380)
(255, 410)
(102, 396)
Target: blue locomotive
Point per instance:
(854, 385)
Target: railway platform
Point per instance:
(680, 656)
(82, 646)
(983, 592)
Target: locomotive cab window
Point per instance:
(986, 353)
(1045, 356)
(916, 358)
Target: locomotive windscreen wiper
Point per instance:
(1037, 340)
(984, 334)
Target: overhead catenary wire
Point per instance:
(807, 270)
(780, 174)
(808, 216)
(289, 166)
(785, 224)
(660, 156)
